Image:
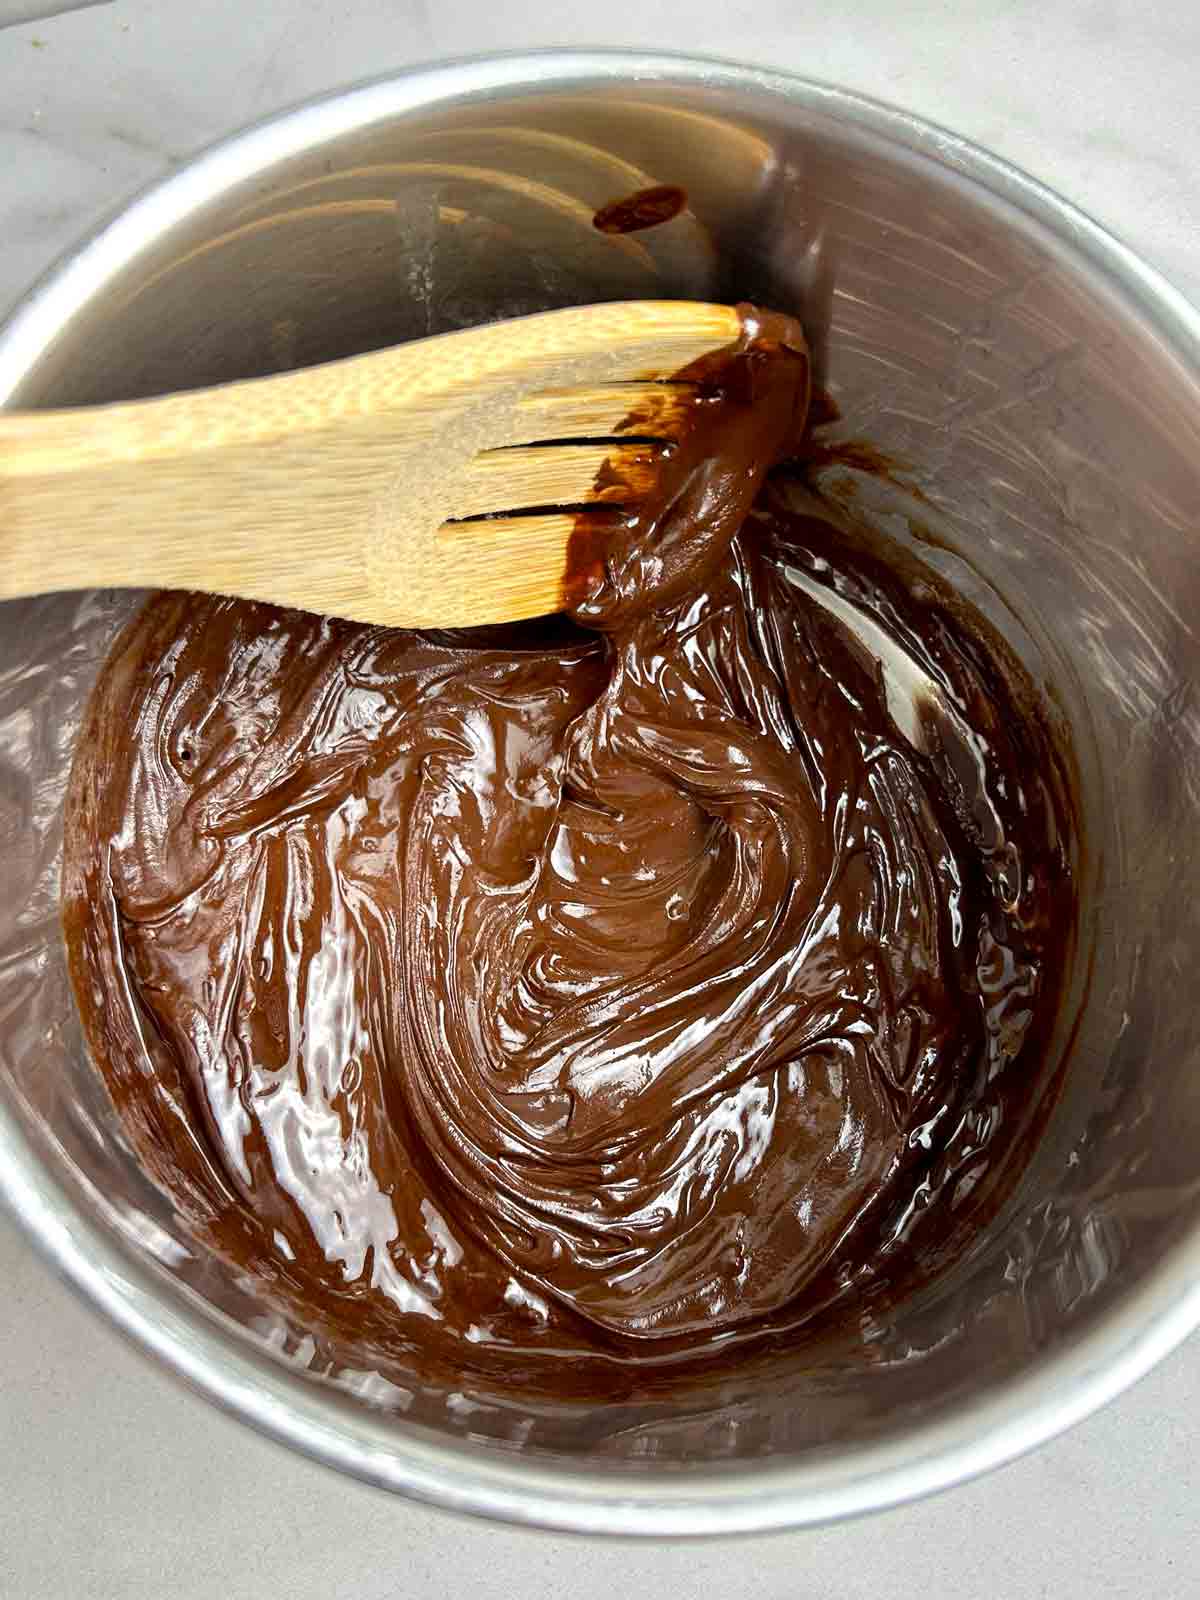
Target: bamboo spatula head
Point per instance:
(434, 484)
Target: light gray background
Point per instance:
(115, 1482)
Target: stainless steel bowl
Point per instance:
(1045, 387)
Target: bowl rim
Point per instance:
(1133, 1334)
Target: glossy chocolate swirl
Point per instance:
(613, 986)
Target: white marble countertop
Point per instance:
(114, 1481)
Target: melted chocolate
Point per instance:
(634, 985)
(645, 208)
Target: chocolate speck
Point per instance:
(645, 208)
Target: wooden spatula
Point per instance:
(434, 484)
